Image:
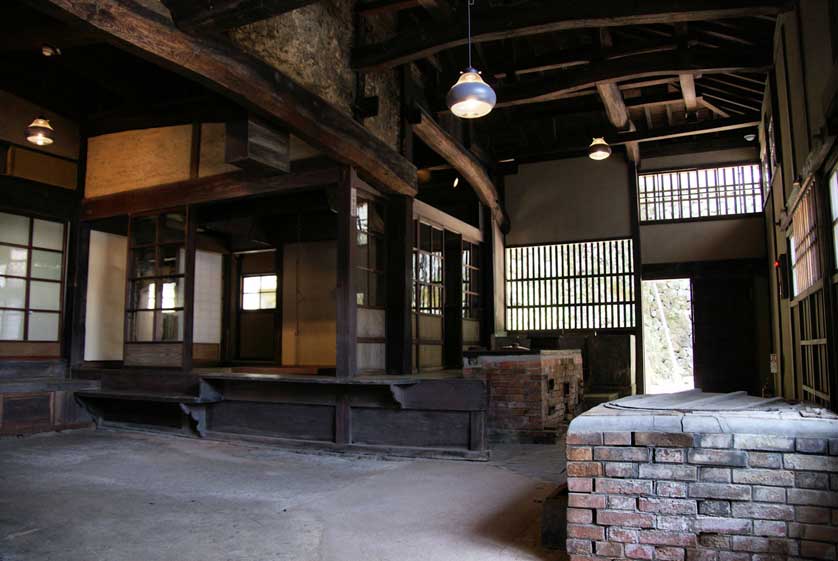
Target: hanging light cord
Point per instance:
(468, 8)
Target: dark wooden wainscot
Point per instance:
(413, 416)
(30, 406)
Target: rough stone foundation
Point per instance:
(703, 490)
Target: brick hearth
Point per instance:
(702, 490)
(529, 392)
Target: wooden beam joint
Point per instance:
(460, 158)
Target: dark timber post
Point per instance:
(399, 284)
(638, 273)
(345, 296)
(189, 288)
(347, 308)
(453, 318)
(487, 278)
(79, 257)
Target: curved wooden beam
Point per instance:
(690, 61)
(244, 79)
(461, 159)
(553, 16)
(221, 15)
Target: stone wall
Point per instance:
(530, 392)
(695, 496)
(313, 46)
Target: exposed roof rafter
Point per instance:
(691, 61)
(555, 16)
(221, 15)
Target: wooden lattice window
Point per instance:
(156, 280)
(700, 193)
(587, 285)
(31, 278)
(809, 317)
(805, 249)
(428, 267)
(258, 292)
(471, 280)
(370, 284)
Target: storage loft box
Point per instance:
(705, 477)
(528, 391)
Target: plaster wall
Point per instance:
(105, 317)
(709, 240)
(567, 200)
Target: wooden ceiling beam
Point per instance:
(414, 44)
(221, 15)
(615, 106)
(461, 159)
(752, 89)
(714, 108)
(566, 58)
(654, 101)
(578, 144)
(733, 100)
(691, 61)
(687, 82)
(244, 79)
(689, 129)
(746, 101)
(746, 79)
(439, 10)
(233, 185)
(377, 7)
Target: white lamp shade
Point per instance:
(40, 132)
(471, 97)
(599, 149)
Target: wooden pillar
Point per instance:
(398, 346)
(229, 314)
(189, 288)
(824, 224)
(78, 258)
(279, 256)
(487, 279)
(638, 270)
(452, 346)
(347, 323)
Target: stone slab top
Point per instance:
(518, 355)
(695, 411)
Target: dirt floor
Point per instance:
(121, 496)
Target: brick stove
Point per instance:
(702, 477)
(531, 393)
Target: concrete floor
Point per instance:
(119, 496)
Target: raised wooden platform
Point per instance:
(440, 414)
(32, 404)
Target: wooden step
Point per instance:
(146, 396)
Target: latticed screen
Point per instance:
(586, 285)
(700, 193)
(805, 250)
(471, 280)
(428, 263)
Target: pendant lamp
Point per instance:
(470, 97)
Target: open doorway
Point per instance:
(668, 335)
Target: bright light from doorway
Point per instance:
(667, 336)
